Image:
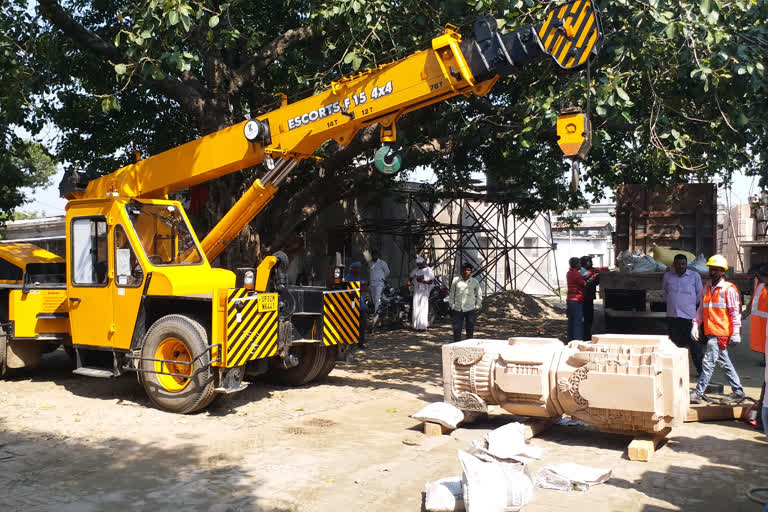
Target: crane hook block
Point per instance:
(574, 133)
(388, 161)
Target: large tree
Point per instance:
(23, 163)
(679, 93)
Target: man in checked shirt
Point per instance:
(720, 315)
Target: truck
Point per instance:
(682, 217)
(136, 292)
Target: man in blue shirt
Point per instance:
(354, 275)
(682, 293)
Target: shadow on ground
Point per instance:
(42, 472)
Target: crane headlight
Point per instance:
(254, 130)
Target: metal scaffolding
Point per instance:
(508, 252)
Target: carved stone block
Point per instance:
(616, 382)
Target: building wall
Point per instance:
(601, 250)
(47, 233)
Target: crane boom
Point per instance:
(452, 66)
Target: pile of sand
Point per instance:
(516, 304)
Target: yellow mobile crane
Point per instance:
(137, 292)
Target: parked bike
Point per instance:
(439, 308)
(395, 308)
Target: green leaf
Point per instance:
(357, 62)
(356, 6)
(713, 17)
(705, 7)
(185, 22)
(622, 94)
(670, 31)
(349, 57)
(117, 39)
(173, 18)
(601, 110)
(120, 69)
(525, 143)
(213, 21)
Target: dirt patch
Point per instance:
(516, 304)
(296, 431)
(320, 422)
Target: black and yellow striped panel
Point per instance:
(341, 315)
(251, 326)
(571, 32)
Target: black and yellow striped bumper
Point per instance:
(252, 326)
(341, 315)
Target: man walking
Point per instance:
(464, 299)
(720, 316)
(682, 293)
(422, 283)
(379, 272)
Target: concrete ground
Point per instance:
(69, 443)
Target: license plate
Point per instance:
(268, 302)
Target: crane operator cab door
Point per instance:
(104, 278)
(89, 279)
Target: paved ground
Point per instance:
(69, 443)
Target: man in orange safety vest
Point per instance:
(720, 316)
(758, 332)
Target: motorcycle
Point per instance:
(395, 307)
(439, 307)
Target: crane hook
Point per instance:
(387, 161)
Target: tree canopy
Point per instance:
(23, 163)
(678, 93)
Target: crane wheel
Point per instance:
(3, 352)
(177, 338)
(330, 362)
(312, 359)
(387, 161)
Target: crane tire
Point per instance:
(330, 362)
(3, 352)
(312, 358)
(178, 338)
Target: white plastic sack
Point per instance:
(647, 264)
(444, 495)
(493, 486)
(508, 442)
(571, 477)
(445, 414)
(699, 265)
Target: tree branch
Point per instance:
(260, 60)
(186, 95)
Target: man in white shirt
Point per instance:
(379, 272)
(465, 299)
(422, 278)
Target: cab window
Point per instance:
(164, 234)
(128, 272)
(89, 251)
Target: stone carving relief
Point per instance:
(624, 383)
